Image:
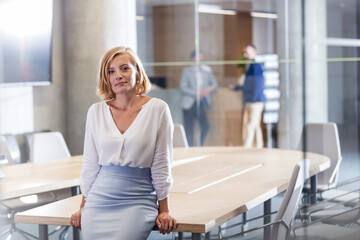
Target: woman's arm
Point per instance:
(165, 222)
(75, 219)
(161, 170)
(90, 166)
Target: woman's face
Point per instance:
(122, 74)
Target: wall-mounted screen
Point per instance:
(25, 42)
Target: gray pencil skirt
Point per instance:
(121, 205)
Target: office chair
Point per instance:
(5, 153)
(48, 146)
(281, 225)
(323, 138)
(11, 206)
(13, 147)
(45, 146)
(27, 142)
(320, 229)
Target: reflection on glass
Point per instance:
(197, 85)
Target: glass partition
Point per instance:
(196, 54)
(343, 55)
(193, 51)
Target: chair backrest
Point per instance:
(290, 201)
(48, 146)
(13, 147)
(323, 138)
(180, 136)
(4, 151)
(28, 137)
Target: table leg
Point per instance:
(76, 233)
(207, 235)
(75, 190)
(43, 232)
(196, 236)
(181, 236)
(267, 219)
(313, 189)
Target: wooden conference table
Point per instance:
(211, 184)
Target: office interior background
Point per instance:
(309, 50)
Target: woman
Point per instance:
(127, 155)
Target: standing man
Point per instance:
(253, 94)
(197, 84)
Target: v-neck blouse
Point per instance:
(147, 143)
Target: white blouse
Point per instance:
(147, 143)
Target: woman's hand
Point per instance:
(75, 219)
(165, 222)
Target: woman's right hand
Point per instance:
(75, 219)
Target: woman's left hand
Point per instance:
(165, 222)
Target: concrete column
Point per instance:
(49, 101)
(91, 28)
(289, 49)
(120, 23)
(316, 64)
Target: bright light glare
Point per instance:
(214, 9)
(23, 17)
(29, 199)
(264, 15)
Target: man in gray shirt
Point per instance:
(197, 84)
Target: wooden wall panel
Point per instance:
(237, 33)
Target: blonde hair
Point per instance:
(104, 87)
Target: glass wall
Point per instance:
(343, 49)
(194, 52)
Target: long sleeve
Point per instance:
(161, 166)
(90, 161)
(253, 88)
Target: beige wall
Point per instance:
(224, 102)
(174, 39)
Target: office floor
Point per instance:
(349, 168)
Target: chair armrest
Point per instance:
(334, 198)
(344, 183)
(347, 182)
(257, 228)
(297, 226)
(315, 208)
(249, 220)
(335, 171)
